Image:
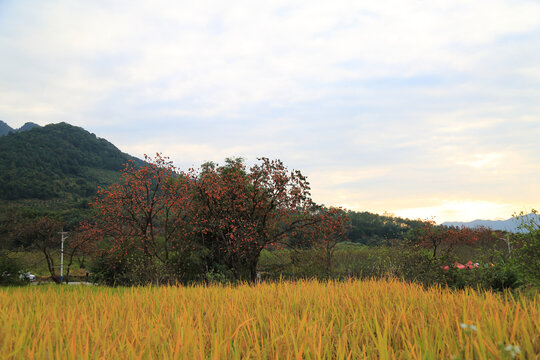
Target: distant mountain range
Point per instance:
(511, 225)
(6, 129)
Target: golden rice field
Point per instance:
(373, 319)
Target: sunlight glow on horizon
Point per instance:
(455, 210)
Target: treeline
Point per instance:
(58, 160)
(232, 223)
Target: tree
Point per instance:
(79, 243)
(43, 233)
(143, 214)
(330, 229)
(10, 268)
(228, 212)
(442, 239)
(240, 212)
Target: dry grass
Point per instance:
(307, 319)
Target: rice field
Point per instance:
(355, 319)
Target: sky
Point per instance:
(422, 109)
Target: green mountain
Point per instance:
(58, 161)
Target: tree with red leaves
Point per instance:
(231, 211)
(81, 245)
(143, 214)
(442, 239)
(240, 212)
(331, 229)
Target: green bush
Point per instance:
(527, 255)
(10, 269)
(183, 267)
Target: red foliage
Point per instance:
(331, 228)
(230, 210)
(145, 212)
(446, 238)
(239, 212)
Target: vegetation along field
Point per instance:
(351, 319)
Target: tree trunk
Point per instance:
(253, 267)
(253, 270)
(81, 261)
(328, 262)
(50, 265)
(71, 255)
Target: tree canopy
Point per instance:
(230, 211)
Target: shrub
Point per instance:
(527, 256)
(10, 269)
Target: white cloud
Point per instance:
(482, 160)
(530, 72)
(257, 54)
(332, 177)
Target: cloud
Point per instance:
(482, 160)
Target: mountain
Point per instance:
(57, 161)
(28, 126)
(4, 128)
(511, 225)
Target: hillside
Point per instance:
(373, 229)
(56, 161)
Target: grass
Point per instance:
(385, 319)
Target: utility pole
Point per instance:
(64, 235)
